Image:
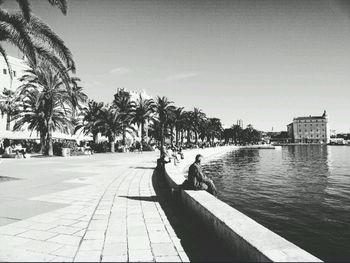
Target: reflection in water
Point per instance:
(300, 192)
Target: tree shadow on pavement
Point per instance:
(152, 198)
(198, 243)
(143, 167)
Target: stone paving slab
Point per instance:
(108, 213)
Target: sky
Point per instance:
(261, 61)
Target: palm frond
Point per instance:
(43, 32)
(13, 28)
(61, 4)
(25, 8)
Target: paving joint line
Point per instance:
(144, 219)
(110, 213)
(82, 238)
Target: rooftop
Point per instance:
(310, 117)
(323, 116)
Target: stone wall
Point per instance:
(244, 237)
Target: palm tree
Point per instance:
(45, 104)
(126, 108)
(45, 114)
(214, 129)
(34, 38)
(144, 110)
(188, 124)
(198, 116)
(179, 123)
(155, 130)
(91, 114)
(76, 95)
(204, 131)
(237, 133)
(8, 106)
(110, 124)
(170, 124)
(163, 108)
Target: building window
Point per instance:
(14, 73)
(317, 135)
(4, 71)
(299, 130)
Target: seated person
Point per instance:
(174, 155)
(169, 152)
(197, 180)
(181, 153)
(8, 150)
(20, 150)
(165, 157)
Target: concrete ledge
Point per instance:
(247, 239)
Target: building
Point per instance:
(240, 123)
(281, 137)
(311, 129)
(18, 67)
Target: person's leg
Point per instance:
(211, 188)
(203, 186)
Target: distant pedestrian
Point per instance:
(197, 180)
(165, 158)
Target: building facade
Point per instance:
(311, 129)
(18, 66)
(240, 123)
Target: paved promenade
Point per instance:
(87, 208)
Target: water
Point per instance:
(300, 192)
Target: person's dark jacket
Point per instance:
(196, 178)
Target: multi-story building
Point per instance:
(240, 123)
(18, 66)
(310, 129)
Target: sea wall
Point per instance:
(246, 239)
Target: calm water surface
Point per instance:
(300, 192)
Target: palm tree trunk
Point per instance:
(42, 142)
(171, 135)
(49, 144)
(177, 136)
(182, 136)
(161, 140)
(124, 136)
(196, 137)
(188, 136)
(142, 133)
(95, 137)
(111, 141)
(8, 121)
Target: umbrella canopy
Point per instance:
(28, 135)
(19, 135)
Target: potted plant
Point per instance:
(65, 149)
